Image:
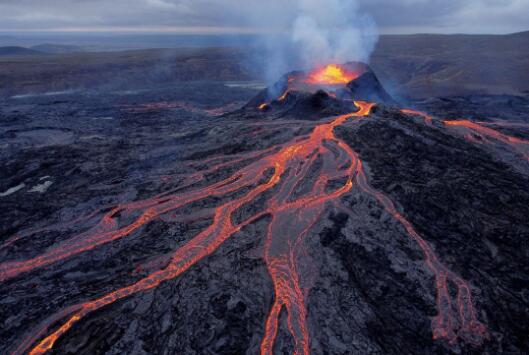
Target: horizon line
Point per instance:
(220, 30)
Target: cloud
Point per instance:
(161, 4)
(449, 16)
(480, 16)
(334, 33)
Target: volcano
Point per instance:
(343, 83)
(319, 218)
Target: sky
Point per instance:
(257, 16)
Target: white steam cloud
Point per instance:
(333, 31)
(315, 32)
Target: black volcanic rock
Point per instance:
(269, 94)
(302, 105)
(308, 106)
(367, 87)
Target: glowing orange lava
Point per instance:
(427, 118)
(503, 124)
(451, 322)
(292, 220)
(284, 96)
(485, 133)
(480, 133)
(332, 74)
(489, 132)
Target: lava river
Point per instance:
(278, 173)
(479, 133)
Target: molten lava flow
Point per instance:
(481, 133)
(284, 96)
(292, 220)
(502, 123)
(107, 229)
(449, 320)
(518, 144)
(282, 247)
(332, 74)
(488, 132)
(427, 118)
(10, 241)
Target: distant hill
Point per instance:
(57, 48)
(13, 50)
(124, 70)
(421, 66)
(409, 66)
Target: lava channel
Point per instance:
(481, 133)
(485, 134)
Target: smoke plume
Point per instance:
(333, 31)
(314, 33)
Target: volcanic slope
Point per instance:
(309, 222)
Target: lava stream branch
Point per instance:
(481, 130)
(488, 132)
(427, 118)
(195, 250)
(107, 229)
(518, 144)
(449, 323)
(281, 260)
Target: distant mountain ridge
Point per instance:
(425, 65)
(412, 67)
(45, 48)
(15, 50)
(57, 48)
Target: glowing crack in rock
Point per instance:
(427, 118)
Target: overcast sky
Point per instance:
(248, 16)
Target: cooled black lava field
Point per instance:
(205, 218)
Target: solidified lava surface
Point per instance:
(301, 222)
